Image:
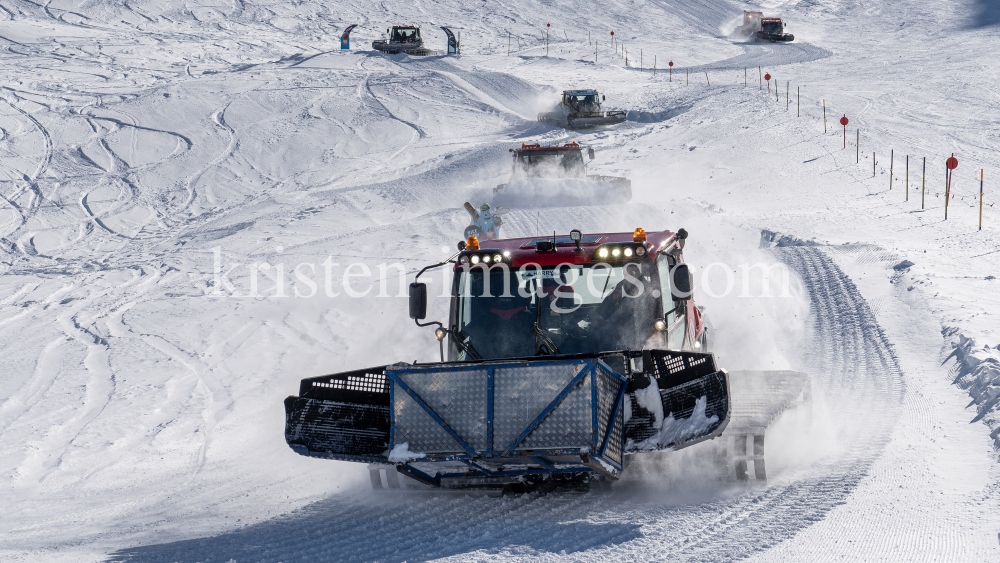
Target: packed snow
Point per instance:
(205, 202)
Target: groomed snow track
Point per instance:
(853, 365)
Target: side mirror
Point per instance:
(590, 153)
(418, 300)
(680, 282)
(461, 244)
(604, 98)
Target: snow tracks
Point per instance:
(853, 366)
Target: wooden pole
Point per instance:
(923, 184)
(776, 90)
(947, 190)
(892, 154)
(980, 199)
(907, 177)
(760, 75)
(706, 78)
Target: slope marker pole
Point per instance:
(706, 78)
(980, 199)
(907, 177)
(798, 101)
(923, 185)
(761, 76)
(947, 188)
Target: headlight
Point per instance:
(486, 258)
(440, 333)
(498, 258)
(628, 252)
(616, 252)
(603, 253)
(463, 260)
(660, 324)
(641, 251)
(475, 259)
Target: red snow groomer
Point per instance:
(763, 29)
(561, 356)
(556, 175)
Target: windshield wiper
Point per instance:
(464, 341)
(544, 346)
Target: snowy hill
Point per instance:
(168, 168)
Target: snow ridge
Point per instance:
(978, 372)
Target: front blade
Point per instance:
(686, 401)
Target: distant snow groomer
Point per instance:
(556, 176)
(763, 29)
(402, 39)
(581, 109)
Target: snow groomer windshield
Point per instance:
(505, 312)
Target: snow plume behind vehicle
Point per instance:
(552, 192)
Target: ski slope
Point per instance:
(157, 157)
